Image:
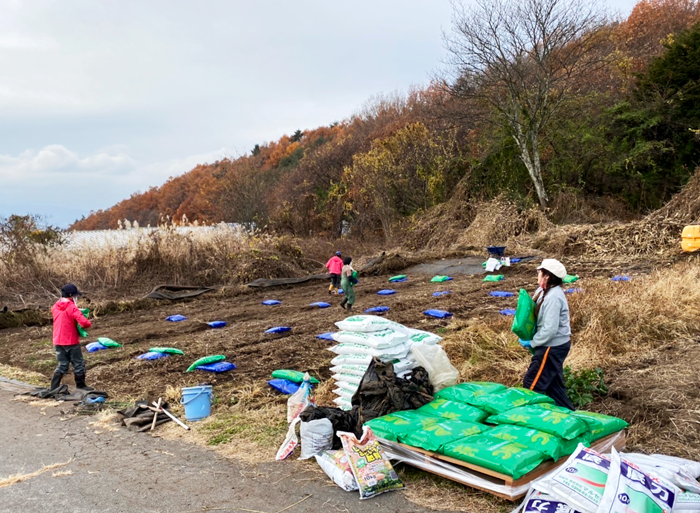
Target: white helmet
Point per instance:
(553, 266)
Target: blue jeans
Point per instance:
(67, 355)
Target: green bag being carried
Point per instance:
(550, 445)
(563, 425)
(494, 277)
(524, 323)
(465, 392)
(168, 350)
(510, 458)
(453, 410)
(599, 424)
(401, 422)
(81, 330)
(432, 438)
(292, 375)
(204, 360)
(108, 342)
(504, 400)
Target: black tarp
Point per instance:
(276, 282)
(175, 292)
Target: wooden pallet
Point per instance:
(475, 476)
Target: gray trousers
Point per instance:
(67, 355)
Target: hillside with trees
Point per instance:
(568, 104)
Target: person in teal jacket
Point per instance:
(347, 282)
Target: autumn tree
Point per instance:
(524, 59)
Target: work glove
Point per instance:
(526, 345)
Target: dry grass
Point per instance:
(106, 420)
(17, 478)
(62, 473)
(33, 378)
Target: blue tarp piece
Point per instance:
(500, 293)
(279, 329)
(341, 291)
(270, 302)
(152, 355)
(507, 311)
(326, 336)
(386, 292)
(284, 385)
(377, 309)
(320, 304)
(440, 314)
(400, 280)
(217, 367)
(217, 324)
(176, 318)
(94, 346)
(514, 260)
(621, 278)
(441, 293)
(572, 291)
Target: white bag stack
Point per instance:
(363, 337)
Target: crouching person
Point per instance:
(65, 337)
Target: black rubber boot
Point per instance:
(80, 382)
(55, 380)
(342, 303)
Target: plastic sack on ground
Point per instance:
(507, 311)
(440, 279)
(669, 471)
(352, 359)
(402, 422)
(453, 410)
(502, 456)
(278, 329)
(94, 346)
(438, 314)
(569, 279)
(217, 324)
(290, 441)
(320, 304)
(372, 470)
(365, 323)
(628, 488)
(271, 302)
(432, 438)
(505, 400)
(204, 360)
(336, 465)
(687, 502)
(284, 386)
(386, 292)
(621, 278)
(572, 290)
(399, 277)
(600, 425)
(300, 399)
(492, 264)
(494, 277)
(376, 340)
(524, 324)
(441, 293)
(424, 337)
(217, 367)
(108, 342)
(466, 392)
(434, 359)
(691, 467)
(176, 318)
(292, 375)
(361, 349)
(151, 355)
(550, 445)
(316, 436)
(500, 293)
(325, 336)
(341, 420)
(355, 370)
(348, 378)
(563, 425)
(377, 310)
(169, 350)
(538, 502)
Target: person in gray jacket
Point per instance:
(552, 340)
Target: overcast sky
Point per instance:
(101, 99)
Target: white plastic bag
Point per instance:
(336, 465)
(376, 340)
(355, 370)
(396, 351)
(343, 403)
(347, 378)
(687, 502)
(352, 359)
(290, 441)
(434, 359)
(691, 467)
(669, 470)
(424, 337)
(300, 399)
(492, 265)
(367, 323)
(316, 436)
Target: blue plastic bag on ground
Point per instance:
(441, 293)
(270, 302)
(500, 293)
(514, 260)
(621, 278)
(386, 292)
(217, 324)
(152, 355)
(507, 311)
(217, 367)
(326, 336)
(176, 318)
(440, 314)
(572, 291)
(94, 346)
(279, 329)
(284, 385)
(320, 304)
(341, 291)
(400, 280)
(377, 309)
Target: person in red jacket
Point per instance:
(65, 337)
(335, 266)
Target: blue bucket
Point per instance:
(197, 401)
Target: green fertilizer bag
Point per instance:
(505, 400)
(599, 424)
(401, 422)
(453, 410)
(167, 350)
(494, 277)
(439, 279)
(547, 444)
(292, 375)
(524, 323)
(563, 425)
(205, 360)
(466, 392)
(432, 438)
(510, 458)
(108, 342)
(569, 279)
(81, 330)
